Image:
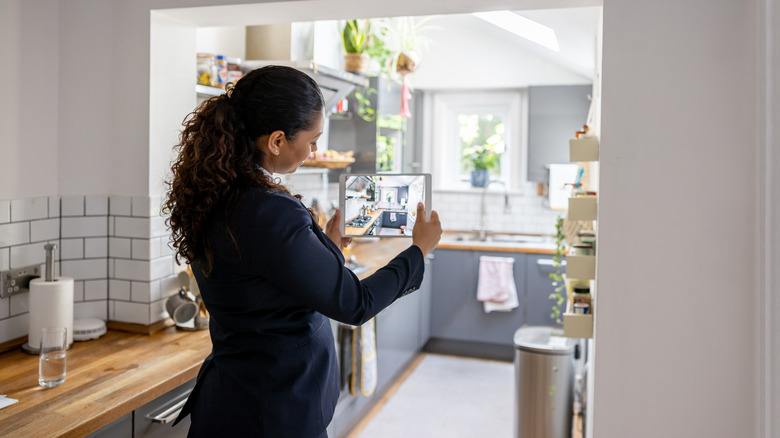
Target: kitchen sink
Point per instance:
(505, 238)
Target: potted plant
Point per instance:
(355, 35)
(482, 158)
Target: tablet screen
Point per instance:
(382, 205)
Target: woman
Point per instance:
(269, 277)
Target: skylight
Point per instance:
(519, 25)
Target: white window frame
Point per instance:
(443, 161)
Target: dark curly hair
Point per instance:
(218, 159)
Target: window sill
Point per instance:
(495, 188)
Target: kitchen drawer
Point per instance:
(121, 428)
(163, 408)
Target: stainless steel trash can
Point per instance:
(544, 380)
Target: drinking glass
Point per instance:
(51, 364)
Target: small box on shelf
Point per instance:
(581, 267)
(583, 208)
(584, 149)
(577, 325)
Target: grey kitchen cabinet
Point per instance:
(121, 428)
(135, 424)
(457, 315)
(555, 114)
(401, 330)
(538, 268)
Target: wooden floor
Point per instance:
(360, 430)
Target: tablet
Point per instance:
(382, 204)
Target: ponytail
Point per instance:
(217, 157)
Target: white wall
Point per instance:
(224, 40)
(677, 287)
(29, 110)
(466, 53)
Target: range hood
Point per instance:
(335, 84)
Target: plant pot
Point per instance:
(479, 177)
(356, 62)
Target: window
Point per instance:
(477, 124)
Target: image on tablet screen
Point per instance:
(382, 205)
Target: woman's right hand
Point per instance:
(426, 234)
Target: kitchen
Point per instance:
(127, 168)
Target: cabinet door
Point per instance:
(397, 335)
(121, 428)
(499, 327)
(453, 293)
(555, 113)
(425, 301)
(539, 287)
(163, 409)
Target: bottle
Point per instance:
(222, 71)
(581, 295)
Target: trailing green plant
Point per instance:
(556, 276)
(355, 35)
(366, 109)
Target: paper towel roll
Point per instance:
(51, 305)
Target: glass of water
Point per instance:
(51, 364)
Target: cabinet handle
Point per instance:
(169, 414)
(548, 262)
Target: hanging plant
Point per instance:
(556, 276)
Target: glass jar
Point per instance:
(207, 69)
(581, 249)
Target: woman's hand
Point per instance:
(426, 234)
(333, 231)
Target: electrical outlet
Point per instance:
(16, 281)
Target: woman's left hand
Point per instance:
(333, 231)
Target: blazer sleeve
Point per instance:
(281, 246)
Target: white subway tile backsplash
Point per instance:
(120, 205)
(95, 226)
(95, 290)
(71, 249)
(154, 247)
(5, 212)
(89, 269)
(157, 311)
(135, 313)
(72, 206)
(14, 234)
(166, 247)
(158, 227)
(141, 206)
(54, 206)
(142, 249)
(111, 225)
(132, 270)
(140, 292)
(155, 205)
(78, 291)
(24, 255)
(29, 209)
(20, 303)
(119, 289)
(47, 229)
(119, 247)
(95, 247)
(5, 307)
(161, 268)
(168, 286)
(132, 227)
(14, 327)
(5, 259)
(96, 205)
(90, 309)
(154, 290)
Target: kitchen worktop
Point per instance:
(465, 241)
(119, 372)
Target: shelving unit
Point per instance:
(582, 267)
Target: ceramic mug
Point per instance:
(181, 307)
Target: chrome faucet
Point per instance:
(481, 228)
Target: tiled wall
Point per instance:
(115, 248)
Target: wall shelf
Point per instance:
(584, 208)
(581, 267)
(584, 149)
(578, 326)
(208, 91)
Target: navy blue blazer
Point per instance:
(273, 369)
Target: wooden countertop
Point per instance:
(106, 379)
